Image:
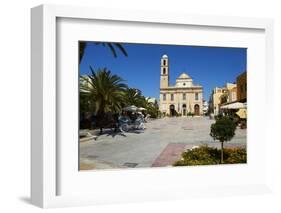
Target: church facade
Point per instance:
(183, 98)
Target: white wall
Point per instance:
(15, 98)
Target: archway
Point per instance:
(196, 109)
(184, 109)
(172, 110)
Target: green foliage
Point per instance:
(205, 155)
(175, 113)
(102, 92)
(133, 96)
(223, 129)
(111, 46)
(190, 114)
(235, 155)
(235, 118)
(85, 103)
(103, 89)
(152, 109)
(199, 156)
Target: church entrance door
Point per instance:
(172, 110)
(184, 109)
(196, 109)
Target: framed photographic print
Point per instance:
(133, 106)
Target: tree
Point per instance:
(133, 96)
(151, 107)
(223, 130)
(111, 46)
(106, 91)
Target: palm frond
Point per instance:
(112, 49)
(82, 47)
(121, 48)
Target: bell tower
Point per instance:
(164, 77)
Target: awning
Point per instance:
(235, 105)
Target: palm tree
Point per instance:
(111, 46)
(132, 96)
(151, 107)
(106, 91)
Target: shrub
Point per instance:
(235, 155)
(205, 155)
(190, 114)
(199, 156)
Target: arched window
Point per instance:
(164, 97)
(164, 71)
(196, 109)
(164, 62)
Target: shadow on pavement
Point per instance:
(112, 133)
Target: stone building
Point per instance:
(231, 92)
(182, 98)
(242, 87)
(215, 99)
(222, 95)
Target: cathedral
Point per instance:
(183, 98)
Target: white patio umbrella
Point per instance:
(141, 109)
(132, 108)
(236, 105)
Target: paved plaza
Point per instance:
(160, 144)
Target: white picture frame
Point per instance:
(45, 151)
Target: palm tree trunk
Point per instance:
(100, 120)
(221, 152)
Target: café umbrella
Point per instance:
(236, 105)
(242, 113)
(131, 108)
(141, 109)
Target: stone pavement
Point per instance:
(160, 144)
(170, 154)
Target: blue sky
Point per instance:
(208, 66)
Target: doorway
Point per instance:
(172, 110)
(184, 109)
(196, 109)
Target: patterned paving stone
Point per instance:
(169, 155)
